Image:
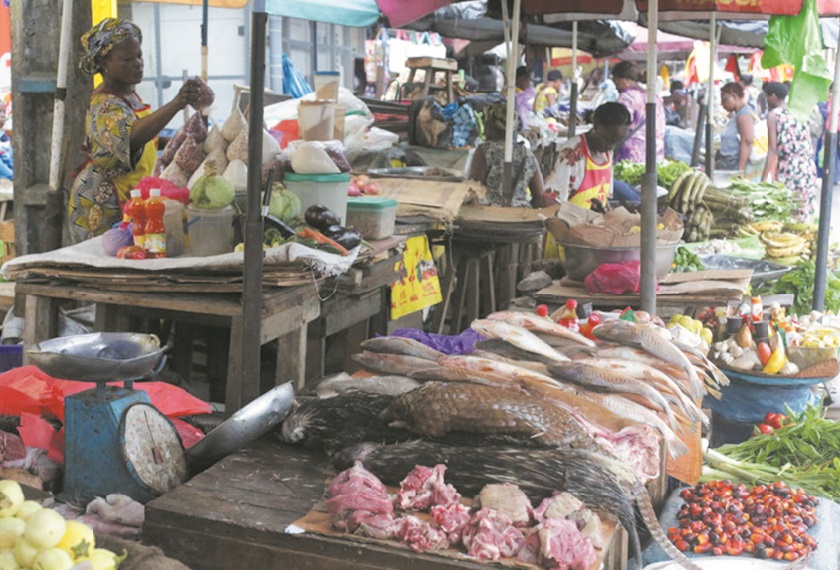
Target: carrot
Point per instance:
(309, 233)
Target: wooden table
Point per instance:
(285, 314)
(235, 515)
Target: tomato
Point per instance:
(766, 429)
(774, 419)
(131, 252)
(764, 352)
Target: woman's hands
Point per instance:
(188, 94)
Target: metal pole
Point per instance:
(648, 248)
(821, 272)
(573, 95)
(249, 378)
(55, 202)
(205, 17)
(510, 94)
(698, 134)
(710, 98)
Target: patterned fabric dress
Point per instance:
(796, 168)
(110, 172)
(524, 166)
(633, 148)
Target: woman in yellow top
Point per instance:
(121, 131)
(548, 92)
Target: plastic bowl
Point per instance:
(581, 260)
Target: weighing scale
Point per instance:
(115, 440)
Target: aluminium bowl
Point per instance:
(245, 425)
(98, 357)
(581, 260)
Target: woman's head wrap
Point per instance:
(495, 116)
(101, 39)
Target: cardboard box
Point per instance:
(7, 236)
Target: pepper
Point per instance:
(309, 233)
(776, 361)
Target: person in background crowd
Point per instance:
(675, 104)
(755, 98)
(790, 152)
(738, 134)
(525, 94)
(121, 131)
(489, 158)
(549, 91)
(626, 75)
(583, 170)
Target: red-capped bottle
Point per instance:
(586, 328)
(135, 208)
(155, 228)
(568, 317)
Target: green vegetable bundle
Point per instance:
(667, 172)
(804, 452)
(769, 200)
(800, 283)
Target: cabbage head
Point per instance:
(212, 191)
(284, 205)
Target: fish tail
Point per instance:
(652, 522)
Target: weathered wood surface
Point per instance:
(235, 515)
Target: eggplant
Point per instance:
(345, 237)
(320, 217)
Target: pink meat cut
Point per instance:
(557, 544)
(491, 535)
(452, 520)
(420, 535)
(425, 487)
(355, 479)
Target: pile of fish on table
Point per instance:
(535, 404)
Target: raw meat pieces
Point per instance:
(491, 535)
(557, 544)
(425, 487)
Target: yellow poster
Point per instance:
(419, 286)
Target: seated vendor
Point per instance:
(489, 159)
(583, 169)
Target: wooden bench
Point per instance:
(285, 315)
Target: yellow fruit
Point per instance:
(687, 323)
(27, 509)
(698, 326)
(777, 360)
(11, 529)
(78, 540)
(7, 560)
(635, 229)
(25, 552)
(103, 559)
(706, 335)
(45, 528)
(239, 247)
(11, 497)
(52, 559)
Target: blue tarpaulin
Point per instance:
(358, 13)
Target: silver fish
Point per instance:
(517, 336)
(382, 385)
(401, 345)
(607, 380)
(385, 363)
(651, 341)
(536, 323)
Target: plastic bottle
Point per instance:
(756, 309)
(155, 228)
(136, 210)
(568, 316)
(586, 328)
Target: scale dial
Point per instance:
(152, 449)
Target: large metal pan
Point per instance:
(98, 357)
(247, 424)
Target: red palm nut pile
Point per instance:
(767, 521)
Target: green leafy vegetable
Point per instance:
(667, 172)
(769, 200)
(686, 261)
(800, 283)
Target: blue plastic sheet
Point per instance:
(293, 82)
(463, 343)
(745, 402)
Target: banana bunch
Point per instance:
(757, 228)
(686, 197)
(785, 248)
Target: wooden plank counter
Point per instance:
(235, 514)
(284, 315)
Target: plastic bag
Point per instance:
(614, 278)
(312, 157)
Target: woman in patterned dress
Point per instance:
(121, 131)
(790, 152)
(626, 76)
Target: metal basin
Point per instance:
(247, 424)
(98, 357)
(581, 260)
